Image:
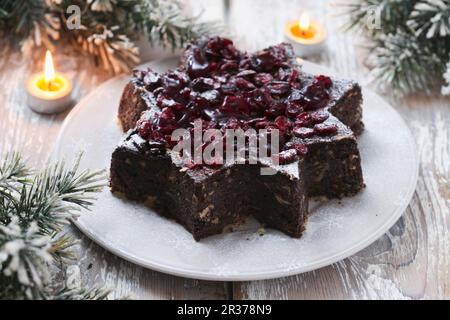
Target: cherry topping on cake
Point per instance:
(144, 128)
(229, 89)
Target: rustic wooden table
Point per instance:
(411, 261)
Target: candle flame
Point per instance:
(49, 70)
(304, 21)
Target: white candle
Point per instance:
(307, 37)
(49, 91)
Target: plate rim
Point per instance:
(260, 275)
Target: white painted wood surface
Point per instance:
(411, 261)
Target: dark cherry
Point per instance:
(229, 66)
(199, 101)
(268, 59)
(253, 121)
(286, 156)
(319, 116)
(303, 119)
(293, 109)
(262, 61)
(303, 132)
(202, 84)
(174, 81)
(263, 124)
(144, 128)
(293, 76)
(278, 88)
(262, 98)
(243, 84)
(166, 115)
(283, 74)
(166, 102)
(197, 65)
(235, 105)
(212, 56)
(232, 123)
(184, 95)
(228, 88)
(246, 74)
(325, 129)
(282, 123)
(229, 52)
(262, 78)
(245, 62)
(217, 43)
(219, 80)
(211, 96)
(300, 148)
(277, 108)
(323, 81)
(296, 95)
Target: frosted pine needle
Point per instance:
(33, 210)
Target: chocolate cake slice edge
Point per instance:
(207, 203)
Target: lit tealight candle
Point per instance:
(49, 92)
(306, 36)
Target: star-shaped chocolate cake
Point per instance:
(318, 119)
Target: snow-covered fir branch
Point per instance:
(431, 18)
(108, 30)
(24, 255)
(33, 210)
(410, 45)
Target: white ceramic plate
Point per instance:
(335, 230)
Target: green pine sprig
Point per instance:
(404, 66)
(430, 18)
(409, 44)
(173, 30)
(109, 29)
(81, 294)
(34, 208)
